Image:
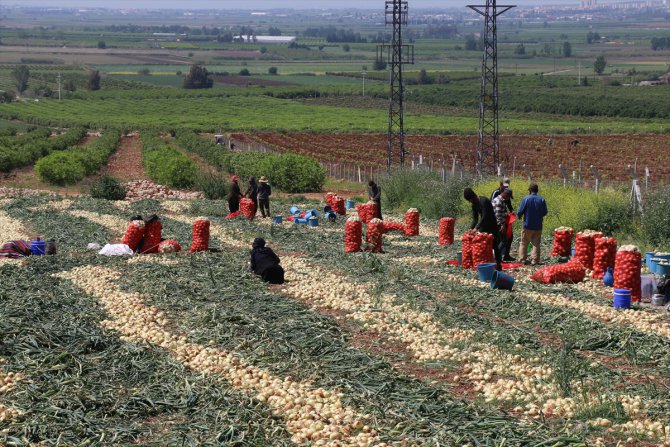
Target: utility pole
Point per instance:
(59, 77)
(398, 54)
(364, 74)
(488, 147)
(579, 73)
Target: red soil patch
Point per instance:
(126, 163)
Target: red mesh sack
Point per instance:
(412, 222)
(627, 271)
(570, 272)
(200, 235)
(232, 216)
(562, 242)
(134, 234)
(338, 206)
(482, 249)
(585, 247)
(387, 227)
(605, 256)
(353, 235)
(169, 246)
(152, 236)
(330, 199)
(374, 235)
(466, 250)
(446, 231)
(367, 211)
(248, 208)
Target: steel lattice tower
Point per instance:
(488, 147)
(397, 54)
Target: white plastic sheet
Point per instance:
(116, 250)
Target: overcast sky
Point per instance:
(257, 4)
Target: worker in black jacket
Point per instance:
(484, 220)
(375, 194)
(252, 193)
(264, 193)
(234, 195)
(265, 263)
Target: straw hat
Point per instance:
(263, 179)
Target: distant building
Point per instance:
(265, 39)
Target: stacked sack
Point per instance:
(330, 196)
(353, 235)
(367, 211)
(570, 272)
(134, 234)
(466, 250)
(446, 231)
(339, 207)
(605, 256)
(482, 249)
(152, 235)
(412, 222)
(248, 208)
(374, 235)
(585, 247)
(562, 242)
(200, 235)
(169, 246)
(627, 271)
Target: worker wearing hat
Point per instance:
(504, 185)
(234, 195)
(264, 193)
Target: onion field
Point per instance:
(392, 349)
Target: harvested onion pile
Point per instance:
(446, 231)
(570, 272)
(353, 235)
(605, 256)
(248, 208)
(585, 247)
(374, 235)
(627, 271)
(367, 211)
(134, 234)
(169, 246)
(482, 249)
(562, 242)
(200, 235)
(152, 236)
(412, 222)
(466, 251)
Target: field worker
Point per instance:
(234, 195)
(252, 193)
(500, 210)
(533, 208)
(506, 252)
(484, 220)
(375, 194)
(265, 263)
(264, 193)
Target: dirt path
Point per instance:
(126, 163)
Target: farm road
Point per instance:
(126, 163)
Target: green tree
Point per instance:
(94, 80)
(424, 78)
(520, 49)
(245, 72)
(471, 43)
(21, 74)
(567, 49)
(346, 47)
(197, 77)
(379, 65)
(102, 45)
(273, 70)
(600, 64)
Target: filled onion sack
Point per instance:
(585, 247)
(412, 222)
(169, 246)
(562, 242)
(232, 216)
(353, 235)
(200, 235)
(387, 227)
(374, 236)
(627, 271)
(482, 249)
(367, 211)
(134, 234)
(446, 231)
(152, 236)
(338, 206)
(570, 272)
(248, 208)
(605, 256)
(329, 199)
(466, 250)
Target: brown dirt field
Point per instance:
(247, 80)
(126, 163)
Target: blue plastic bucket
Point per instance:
(652, 264)
(572, 253)
(459, 257)
(485, 271)
(294, 210)
(647, 257)
(350, 204)
(331, 216)
(311, 213)
(313, 222)
(502, 281)
(299, 220)
(663, 269)
(38, 247)
(621, 299)
(277, 220)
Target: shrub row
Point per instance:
(25, 150)
(166, 165)
(288, 172)
(71, 166)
